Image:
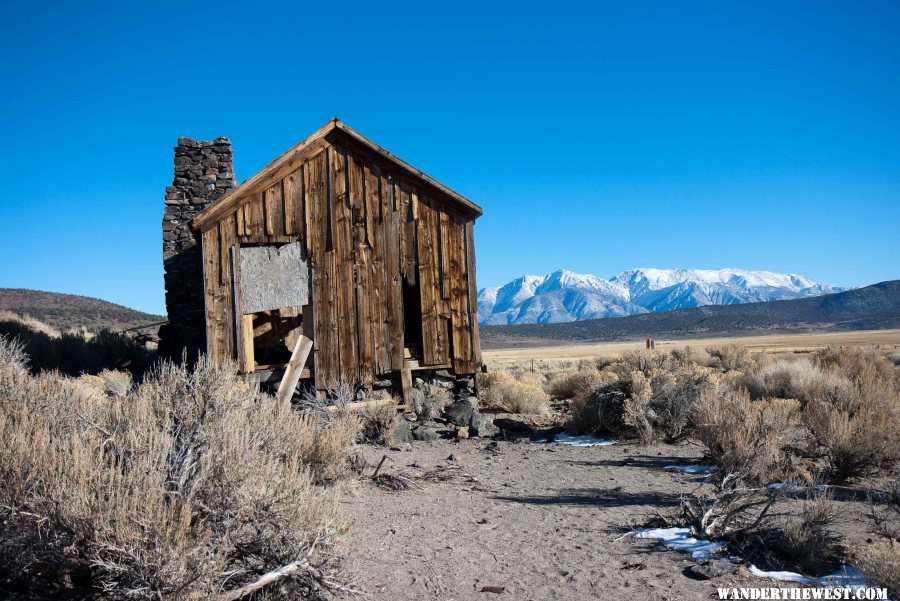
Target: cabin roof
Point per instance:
(339, 131)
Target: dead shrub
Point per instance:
(190, 485)
(601, 410)
(502, 390)
(741, 514)
(731, 512)
(378, 423)
(742, 436)
(731, 358)
(429, 401)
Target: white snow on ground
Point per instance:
(847, 576)
(690, 469)
(582, 441)
(680, 539)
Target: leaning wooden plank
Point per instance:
(294, 368)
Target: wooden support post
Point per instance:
(247, 359)
(406, 386)
(294, 369)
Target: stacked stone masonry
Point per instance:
(204, 172)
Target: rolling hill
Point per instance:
(868, 308)
(66, 311)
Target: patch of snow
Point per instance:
(680, 539)
(582, 441)
(847, 576)
(690, 469)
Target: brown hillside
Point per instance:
(65, 311)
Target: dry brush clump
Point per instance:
(189, 486)
(522, 394)
(801, 380)
(429, 401)
(745, 436)
(858, 433)
(731, 358)
(378, 423)
(647, 395)
(879, 560)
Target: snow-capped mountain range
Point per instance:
(567, 296)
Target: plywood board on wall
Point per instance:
(272, 277)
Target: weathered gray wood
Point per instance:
(272, 278)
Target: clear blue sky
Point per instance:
(597, 136)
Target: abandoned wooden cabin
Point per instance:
(337, 262)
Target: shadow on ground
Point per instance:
(597, 497)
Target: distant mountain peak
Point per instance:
(568, 296)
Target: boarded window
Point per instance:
(272, 278)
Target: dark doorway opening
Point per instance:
(412, 319)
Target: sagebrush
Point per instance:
(191, 484)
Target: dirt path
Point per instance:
(542, 522)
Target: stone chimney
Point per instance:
(204, 172)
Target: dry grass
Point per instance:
(880, 562)
(516, 395)
(189, 485)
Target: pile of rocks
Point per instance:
(461, 415)
(204, 172)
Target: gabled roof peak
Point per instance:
(334, 127)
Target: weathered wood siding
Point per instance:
(366, 229)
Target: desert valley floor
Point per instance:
(542, 521)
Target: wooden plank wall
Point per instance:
(366, 232)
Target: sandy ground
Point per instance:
(542, 521)
(887, 340)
